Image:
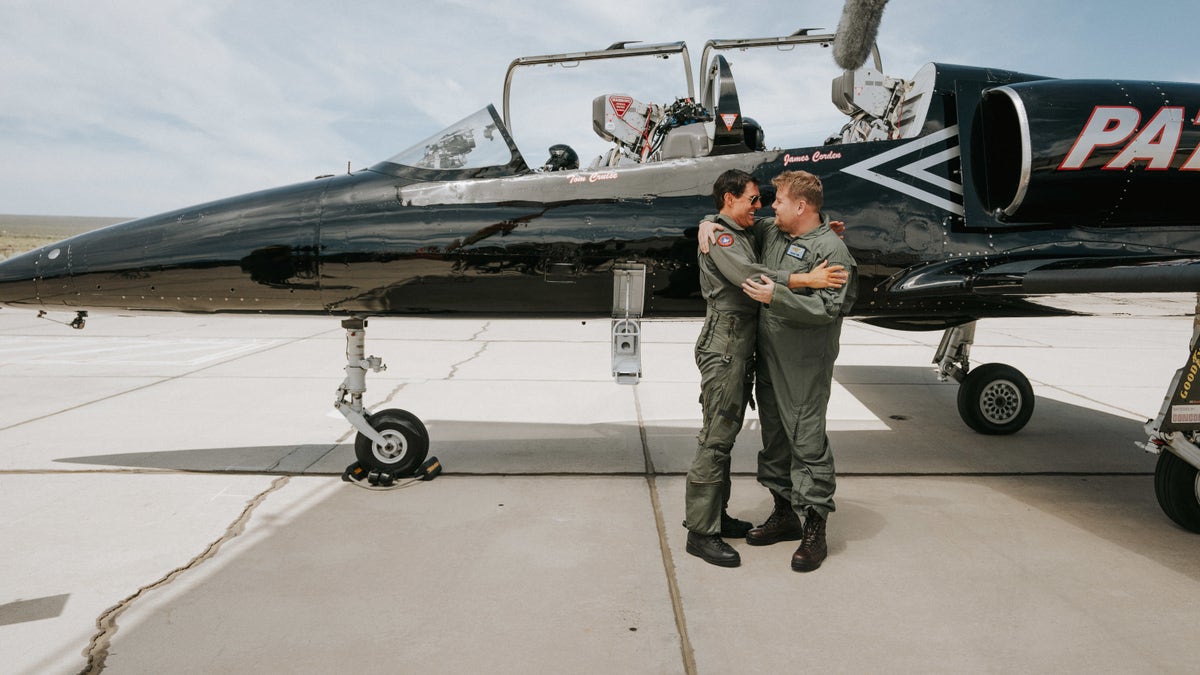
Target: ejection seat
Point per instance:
(727, 133)
(687, 141)
(649, 132)
(882, 107)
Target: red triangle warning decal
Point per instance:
(620, 104)
(729, 119)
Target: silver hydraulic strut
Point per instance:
(350, 393)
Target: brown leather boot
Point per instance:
(782, 525)
(812, 550)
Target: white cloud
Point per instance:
(129, 108)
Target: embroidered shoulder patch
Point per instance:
(725, 240)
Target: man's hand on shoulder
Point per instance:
(821, 276)
(708, 234)
(828, 276)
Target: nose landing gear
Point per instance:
(391, 443)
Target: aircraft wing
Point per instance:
(1044, 276)
(1091, 275)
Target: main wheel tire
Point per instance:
(1177, 486)
(408, 443)
(995, 399)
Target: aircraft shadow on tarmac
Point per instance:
(1083, 443)
(916, 430)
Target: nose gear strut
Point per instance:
(391, 443)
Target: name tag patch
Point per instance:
(725, 240)
(797, 251)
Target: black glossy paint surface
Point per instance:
(517, 242)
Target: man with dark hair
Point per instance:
(798, 341)
(725, 355)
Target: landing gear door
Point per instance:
(629, 297)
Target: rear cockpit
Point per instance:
(639, 130)
(720, 121)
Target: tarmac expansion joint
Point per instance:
(687, 652)
(106, 623)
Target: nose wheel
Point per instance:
(391, 443)
(406, 443)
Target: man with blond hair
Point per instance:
(797, 343)
(725, 358)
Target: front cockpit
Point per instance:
(477, 146)
(637, 131)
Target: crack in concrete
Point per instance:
(388, 399)
(481, 331)
(454, 367)
(478, 352)
(351, 433)
(106, 623)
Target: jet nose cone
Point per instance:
(18, 285)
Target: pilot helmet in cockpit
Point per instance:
(753, 133)
(562, 158)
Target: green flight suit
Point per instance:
(725, 357)
(798, 341)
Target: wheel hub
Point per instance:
(395, 449)
(1000, 401)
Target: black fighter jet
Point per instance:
(969, 193)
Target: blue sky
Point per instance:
(129, 108)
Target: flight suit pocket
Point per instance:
(714, 336)
(725, 334)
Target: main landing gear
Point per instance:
(994, 398)
(392, 443)
(1175, 438)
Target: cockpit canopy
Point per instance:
(481, 145)
(477, 146)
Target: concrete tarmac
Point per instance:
(170, 501)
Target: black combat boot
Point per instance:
(712, 549)
(782, 525)
(812, 550)
(732, 528)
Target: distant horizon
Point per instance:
(126, 107)
(39, 225)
